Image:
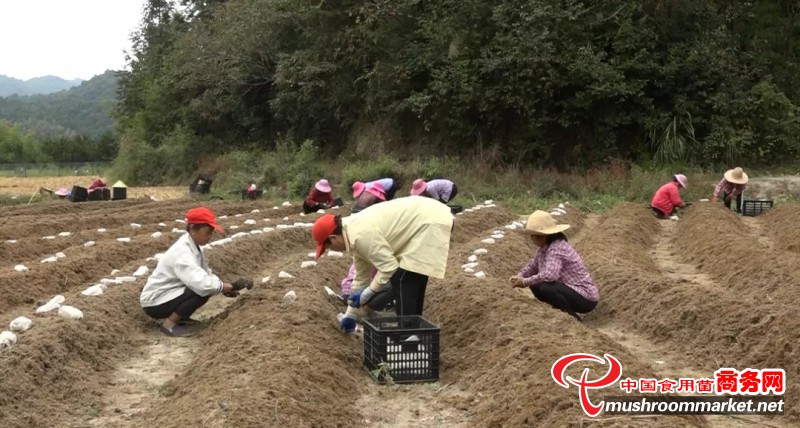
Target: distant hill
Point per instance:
(84, 109)
(36, 86)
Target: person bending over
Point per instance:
(407, 240)
(443, 191)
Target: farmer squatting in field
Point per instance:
(407, 240)
(668, 197)
(320, 197)
(183, 282)
(556, 275)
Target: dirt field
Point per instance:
(24, 187)
(678, 299)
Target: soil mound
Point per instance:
(781, 226)
(498, 346)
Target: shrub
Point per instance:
(367, 170)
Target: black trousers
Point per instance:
(184, 305)
(308, 209)
(728, 203)
(453, 194)
(390, 192)
(408, 292)
(561, 296)
(658, 213)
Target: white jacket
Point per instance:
(183, 265)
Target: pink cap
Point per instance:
(681, 180)
(323, 186)
(418, 187)
(377, 190)
(358, 188)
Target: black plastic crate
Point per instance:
(754, 208)
(99, 194)
(78, 194)
(118, 193)
(405, 349)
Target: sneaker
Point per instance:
(177, 331)
(190, 321)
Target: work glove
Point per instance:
(364, 297)
(348, 324)
(242, 283)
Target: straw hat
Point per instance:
(736, 176)
(542, 223)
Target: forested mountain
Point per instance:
(36, 86)
(562, 82)
(85, 109)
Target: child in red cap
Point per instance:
(182, 282)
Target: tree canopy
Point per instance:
(566, 82)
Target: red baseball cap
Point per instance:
(323, 228)
(203, 215)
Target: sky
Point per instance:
(65, 38)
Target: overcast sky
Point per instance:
(66, 38)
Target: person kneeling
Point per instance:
(556, 275)
(182, 282)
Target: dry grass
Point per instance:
(25, 186)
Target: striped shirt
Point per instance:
(559, 262)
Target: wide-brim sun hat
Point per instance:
(418, 187)
(358, 188)
(323, 186)
(736, 176)
(682, 180)
(377, 190)
(542, 223)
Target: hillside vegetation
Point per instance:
(34, 86)
(567, 82)
(83, 110)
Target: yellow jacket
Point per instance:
(412, 233)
